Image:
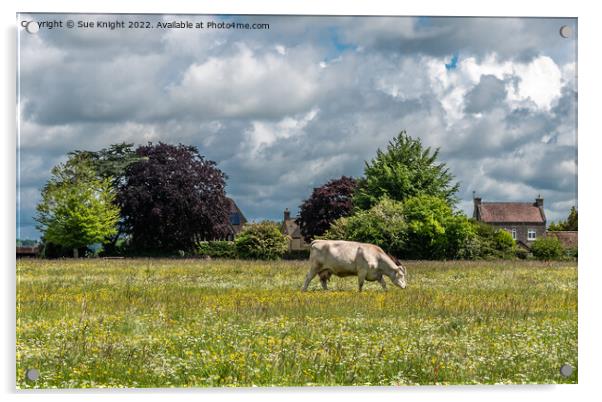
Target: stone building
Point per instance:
(525, 221)
(292, 231)
(236, 220)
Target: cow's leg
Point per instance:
(361, 277)
(383, 283)
(308, 278)
(324, 277)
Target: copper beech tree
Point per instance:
(326, 204)
(171, 198)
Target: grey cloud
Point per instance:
(510, 38)
(489, 92)
(82, 91)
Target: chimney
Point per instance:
(539, 201)
(287, 215)
(477, 203)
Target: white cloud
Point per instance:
(265, 133)
(540, 82)
(246, 84)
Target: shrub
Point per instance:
(296, 255)
(493, 243)
(261, 241)
(521, 253)
(571, 252)
(504, 242)
(216, 249)
(422, 227)
(435, 231)
(383, 225)
(547, 248)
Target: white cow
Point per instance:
(348, 258)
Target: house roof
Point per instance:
(567, 238)
(233, 209)
(290, 227)
(498, 212)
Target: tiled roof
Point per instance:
(291, 228)
(567, 238)
(493, 212)
(234, 210)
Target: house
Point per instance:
(291, 230)
(568, 238)
(237, 220)
(525, 221)
(27, 251)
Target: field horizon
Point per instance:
(148, 323)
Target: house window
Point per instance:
(513, 233)
(234, 218)
(531, 234)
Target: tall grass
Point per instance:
(191, 323)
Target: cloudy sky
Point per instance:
(285, 109)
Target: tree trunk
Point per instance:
(75, 253)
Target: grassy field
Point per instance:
(191, 323)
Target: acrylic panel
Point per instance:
(281, 200)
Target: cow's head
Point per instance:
(400, 276)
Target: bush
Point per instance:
(422, 227)
(493, 243)
(216, 249)
(571, 252)
(383, 225)
(547, 248)
(521, 253)
(503, 241)
(52, 250)
(296, 255)
(435, 231)
(261, 241)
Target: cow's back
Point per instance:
(337, 255)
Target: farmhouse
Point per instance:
(525, 221)
(237, 220)
(292, 231)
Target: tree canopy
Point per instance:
(326, 204)
(405, 169)
(77, 208)
(173, 197)
(422, 227)
(571, 222)
(110, 162)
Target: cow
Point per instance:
(348, 258)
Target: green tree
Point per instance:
(261, 241)
(77, 208)
(422, 227)
(547, 248)
(406, 169)
(571, 222)
(109, 163)
(435, 231)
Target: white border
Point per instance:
(589, 199)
